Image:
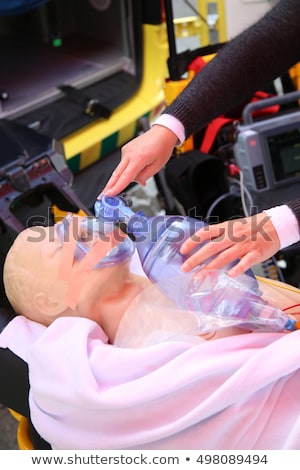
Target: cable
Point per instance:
(275, 284)
(244, 191)
(215, 203)
(291, 306)
(243, 194)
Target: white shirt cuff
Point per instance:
(285, 223)
(172, 123)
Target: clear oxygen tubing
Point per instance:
(217, 299)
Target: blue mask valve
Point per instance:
(290, 325)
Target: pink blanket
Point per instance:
(239, 392)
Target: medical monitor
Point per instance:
(268, 154)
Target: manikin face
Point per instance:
(68, 282)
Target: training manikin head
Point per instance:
(44, 280)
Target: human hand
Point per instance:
(142, 157)
(250, 240)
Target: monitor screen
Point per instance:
(284, 150)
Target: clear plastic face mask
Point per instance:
(85, 235)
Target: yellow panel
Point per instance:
(149, 95)
(79, 141)
(188, 26)
(90, 155)
(174, 88)
(126, 133)
(220, 26)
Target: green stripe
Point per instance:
(74, 163)
(109, 144)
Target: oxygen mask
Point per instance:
(90, 231)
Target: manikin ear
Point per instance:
(46, 306)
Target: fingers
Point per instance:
(124, 175)
(246, 262)
(142, 157)
(210, 232)
(117, 185)
(127, 171)
(239, 255)
(209, 241)
(147, 172)
(223, 253)
(249, 240)
(120, 178)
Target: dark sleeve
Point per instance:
(247, 63)
(295, 207)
